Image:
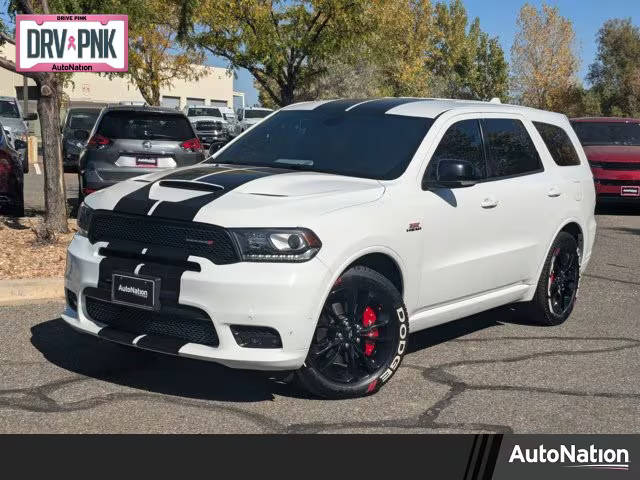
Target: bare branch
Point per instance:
(7, 64)
(7, 38)
(45, 7)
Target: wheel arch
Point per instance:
(382, 263)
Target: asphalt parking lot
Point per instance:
(489, 373)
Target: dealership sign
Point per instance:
(72, 43)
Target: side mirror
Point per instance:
(31, 116)
(451, 174)
(214, 147)
(81, 135)
(19, 144)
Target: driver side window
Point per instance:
(462, 141)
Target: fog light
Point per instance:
(72, 299)
(248, 336)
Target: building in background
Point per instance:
(96, 90)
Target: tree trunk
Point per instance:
(55, 198)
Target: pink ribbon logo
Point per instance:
(72, 43)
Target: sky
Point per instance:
(498, 17)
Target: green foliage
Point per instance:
(466, 62)
(615, 75)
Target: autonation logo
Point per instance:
(573, 457)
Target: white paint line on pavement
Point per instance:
(37, 168)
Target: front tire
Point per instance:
(558, 285)
(361, 337)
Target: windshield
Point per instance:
(256, 113)
(608, 133)
(82, 121)
(376, 146)
(145, 126)
(204, 112)
(9, 109)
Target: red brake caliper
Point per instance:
(369, 317)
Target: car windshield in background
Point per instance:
(256, 113)
(9, 109)
(359, 145)
(145, 126)
(204, 112)
(82, 121)
(608, 133)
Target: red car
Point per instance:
(11, 177)
(612, 146)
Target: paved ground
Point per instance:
(34, 190)
(484, 373)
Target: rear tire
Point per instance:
(558, 285)
(361, 337)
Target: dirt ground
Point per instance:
(22, 256)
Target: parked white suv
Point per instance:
(318, 239)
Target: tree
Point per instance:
(50, 87)
(615, 75)
(466, 62)
(544, 62)
(153, 65)
(283, 44)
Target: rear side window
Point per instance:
(462, 141)
(559, 144)
(134, 125)
(510, 150)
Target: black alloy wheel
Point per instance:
(360, 337)
(557, 288)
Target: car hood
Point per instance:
(612, 153)
(236, 195)
(15, 124)
(207, 119)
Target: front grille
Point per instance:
(187, 238)
(182, 322)
(628, 166)
(208, 125)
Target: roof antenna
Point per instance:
(495, 100)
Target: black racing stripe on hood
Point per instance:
(195, 172)
(136, 202)
(337, 106)
(237, 177)
(383, 105)
(228, 179)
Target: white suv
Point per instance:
(318, 239)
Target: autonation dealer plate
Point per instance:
(137, 291)
(70, 43)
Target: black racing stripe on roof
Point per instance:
(337, 106)
(383, 105)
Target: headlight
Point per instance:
(276, 244)
(84, 219)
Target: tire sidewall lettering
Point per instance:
(402, 345)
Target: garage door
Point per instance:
(217, 103)
(195, 101)
(171, 102)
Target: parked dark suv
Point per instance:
(11, 176)
(128, 141)
(77, 119)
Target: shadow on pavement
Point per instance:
(183, 377)
(618, 209)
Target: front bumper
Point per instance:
(285, 297)
(617, 185)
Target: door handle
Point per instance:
(554, 192)
(489, 202)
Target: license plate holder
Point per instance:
(149, 162)
(630, 191)
(137, 291)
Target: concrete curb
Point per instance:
(31, 289)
